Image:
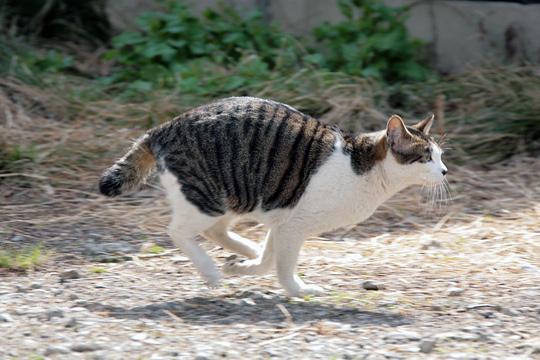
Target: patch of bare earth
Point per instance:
(459, 283)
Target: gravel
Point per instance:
(157, 308)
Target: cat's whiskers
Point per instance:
(437, 195)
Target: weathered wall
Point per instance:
(462, 33)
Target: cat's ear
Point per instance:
(396, 129)
(425, 125)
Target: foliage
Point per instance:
(22, 260)
(372, 41)
(222, 52)
(14, 157)
(27, 63)
(219, 50)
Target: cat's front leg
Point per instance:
(287, 246)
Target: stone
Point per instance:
(247, 301)
(86, 347)
(370, 285)
(427, 345)
(430, 245)
(202, 356)
(71, 323)
(54, 313)
(121, 247)
(401, 337)
(70, 275)
(36, 286)
(5, 318)
(510, 312)
(138, 336)
(179, 260)
(56, 349)
(147, 247)
(454, 291)
(113, 259)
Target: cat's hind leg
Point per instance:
(183, 232)
(187, 223)
(230, 240)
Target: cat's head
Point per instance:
(417, 158)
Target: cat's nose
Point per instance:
(444, 171)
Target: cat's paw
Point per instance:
(212, 280)
(233, 267)
(305, 290)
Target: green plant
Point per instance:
(372, 41)
(156, 249)
(14, 157)
(27, 63)
(22, 260)
(98, 270)
(174, 48)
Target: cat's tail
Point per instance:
(131, 170)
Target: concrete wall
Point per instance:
(461, 33)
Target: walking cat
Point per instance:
(249, 157)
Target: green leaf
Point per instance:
(127, 39)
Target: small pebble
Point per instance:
(201, 357)
(85, 347)
(71, 323)
(5, 318)
(56, 349)
(69, 275)
(431, 244)
(454, 291)
(138, 336)
(402, 336)
(36, 286)
(370, 285)
(54, 313)
(147, 247)
(247, 301)
(427, 346)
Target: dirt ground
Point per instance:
(457, 280)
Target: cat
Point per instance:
(248, 157)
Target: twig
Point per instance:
(271, 341)
(286, 313)
(24, 175)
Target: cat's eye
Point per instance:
(418, 158)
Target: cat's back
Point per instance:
(242, 152)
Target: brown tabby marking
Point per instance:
(239, 153)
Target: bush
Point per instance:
(372, 41)
(222, 52)
(221, 49)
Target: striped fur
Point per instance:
(241, 153)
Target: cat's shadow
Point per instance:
(235, 309)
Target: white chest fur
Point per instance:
(337, 196)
